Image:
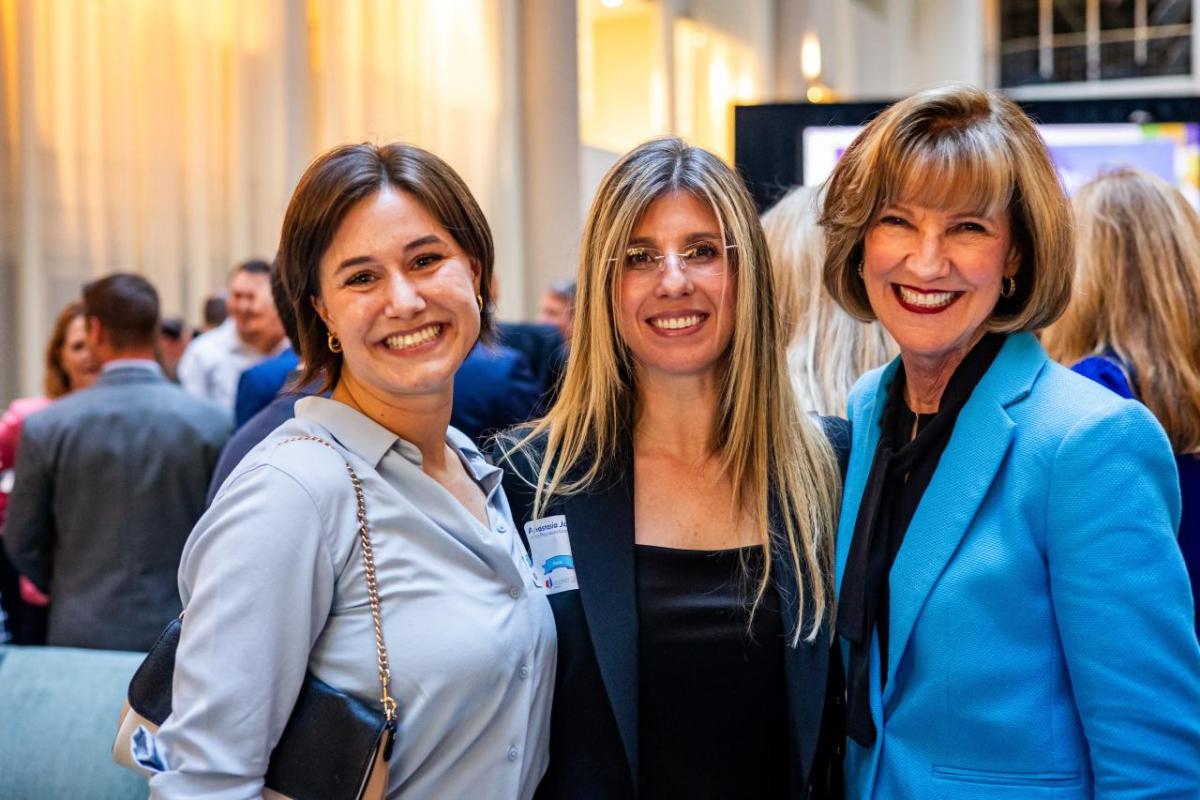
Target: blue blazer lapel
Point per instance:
(967, 469)
(600, 525)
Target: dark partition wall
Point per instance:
(769, 146)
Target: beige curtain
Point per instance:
(165, 136)
(442, 74)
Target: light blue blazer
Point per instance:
(1041, 639)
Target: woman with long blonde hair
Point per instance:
(828, 350)
(679, 507)
(1132, 323)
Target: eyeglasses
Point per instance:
(702, 259)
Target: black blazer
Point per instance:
(594, 721)
(546, 351)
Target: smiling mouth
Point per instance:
(407, 341)
(684, 322)
(924, 302)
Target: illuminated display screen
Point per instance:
(1080, 152)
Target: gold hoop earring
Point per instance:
(1008, 286)
(479, 299)
(335, 344)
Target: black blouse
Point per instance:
(902, 468)
(712, 712)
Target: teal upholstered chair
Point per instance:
(58, 717)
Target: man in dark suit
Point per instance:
(109, 482)
(259, 385)
(279, 407)
(494, 389)
(247, 437)
(545, 350)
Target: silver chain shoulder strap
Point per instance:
(385, 673)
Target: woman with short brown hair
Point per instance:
(1003, 518)
(386, 257)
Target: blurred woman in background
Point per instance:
(69, 367)
(1133, 324)
(828, 350)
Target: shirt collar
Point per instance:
(147, 364)
(371, 441)
(489, 476)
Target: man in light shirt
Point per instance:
(213, 362)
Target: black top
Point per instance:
(712, 714)
(903, 428)
(594, 725)
(902, 468)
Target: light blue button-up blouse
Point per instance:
(272, 581)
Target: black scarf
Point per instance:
(899, 475)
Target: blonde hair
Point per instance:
(959, 147)
(827, 348)
(767, 448)
(1138, 271)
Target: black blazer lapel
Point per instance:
(600, 526)
(806, 666)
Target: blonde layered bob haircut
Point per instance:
(955, 148)
(1137, 294)
(782, 467)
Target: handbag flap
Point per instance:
(150, 687)
(328, 746)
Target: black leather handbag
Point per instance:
(334, 747)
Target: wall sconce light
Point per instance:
(810, 68)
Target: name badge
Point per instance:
(553, 565)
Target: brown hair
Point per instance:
(57, 382)
(954, 146)
(766, 445)
(333, 184)
(1138, 264)
(126, 306)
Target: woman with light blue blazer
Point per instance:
(1013, 611)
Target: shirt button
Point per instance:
(502, 528)
(514, 593)
(523, 672)
(512, 754)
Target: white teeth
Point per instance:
(402, 341)
(675, 323)
(926, 299)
